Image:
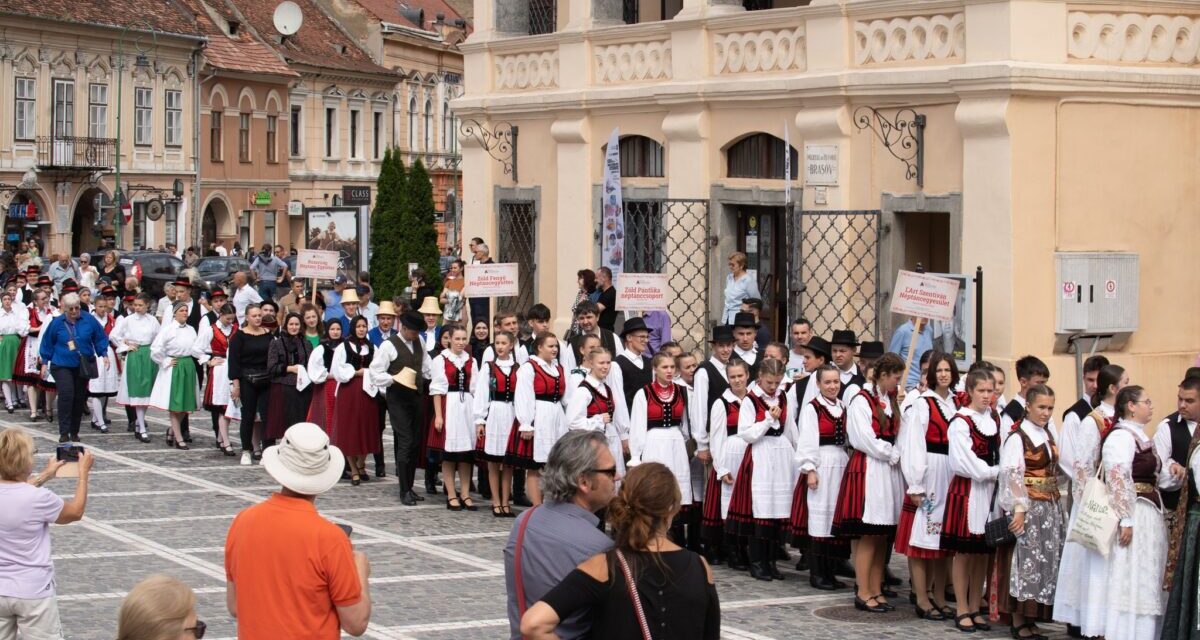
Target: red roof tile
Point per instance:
(242, 52)
(390, 11)
(161, 15)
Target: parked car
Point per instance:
(153, 269)
(217, 271)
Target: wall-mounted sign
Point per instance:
(261, 197)
(820, 164)
(642, 291)
(295, 208)
(356, 196)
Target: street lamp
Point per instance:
(141, 62)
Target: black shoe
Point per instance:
(958, 623)
(74, 437)
(843, 568)
(103, 428)
(714, 557)
(95, 426)
(802, 563)
(355, 480)
(129, 428)
(759, 571)
(982, 626)
(143, 437)
(417, 496)
(862, 605)
(431, 490)
(888, 593)
(887, 606)
(408, 499)
(10, 409)
(187, 439)
(468, 504)
(1074, 631)
(890, 580)
(453, 504)
(380, 473)
(821, 583)
(932, 614)
(62, 439)
(365, 477)
(781, 552)
(734, 559)
(521, 500)
(1028, 626)
(775, 574)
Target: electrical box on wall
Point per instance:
(1097, 295)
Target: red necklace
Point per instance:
(665, 394)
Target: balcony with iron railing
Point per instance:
(75, 153)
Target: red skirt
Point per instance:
(519, 453)
(320, 412)
(711, 524)
(740, 518)
(956, 533)
(355, 420)
(798, 524)
(435, 441)
(852, 500)
(908, 515)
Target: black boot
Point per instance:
(818, 573)
(775, 573)
(760, 551)
(735, 555)
(842, 567)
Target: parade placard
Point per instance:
(921, 295)
(314, 263)
(612, 231)
(642, 292)
(493, 280)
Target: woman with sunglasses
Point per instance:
(160, 608)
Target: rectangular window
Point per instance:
(25, 112)
(244, 228)
(268, 227)
(174, 119)
(98, 111)
(215, 138)
(244, 137)
(376, 135)
(143, 116)
(330, 131)
(171, 216)
(139, 224)
(272, 147)
(64, 109)
(354, 116)
(296, 127)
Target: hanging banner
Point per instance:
(612, 235)
(492, 280)
(787, 164)
(642, 292)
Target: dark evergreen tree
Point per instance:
(418, 242)
(385, 227)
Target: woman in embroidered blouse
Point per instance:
(133, 335)
(925, 462)
(104, 385)
(727, 452)
(355, 421)
(175, 387)
(495, 386)
(739, 285)
(593, 406)
(974, 437)
(211, 350)
(453, 421)
(820, 460)
(320, 410)
(658, 432)
(539, 404)
(1133, 473)
(27, 369)
(1082, 572)
(869, 499)
(1028, 492)
(14, 325)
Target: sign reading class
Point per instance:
(642, 292)
(495, 280)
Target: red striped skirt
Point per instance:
(740, 520)
(908, 515)
(435, 440)
(710, 514)
(798, 524)
(851, 503)
(320, 411)
(956, 532)
(519, 453)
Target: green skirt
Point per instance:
(140, 372)
(183, 385)
(1182, 615)
(9, 346)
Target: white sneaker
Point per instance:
(246, 459)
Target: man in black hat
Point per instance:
(708, 383)
(842, 349)
(399, 366)
(816, 354)
(745, 330)
(632, 369)
(868, 352)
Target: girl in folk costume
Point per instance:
(539, 405)
(133, 335)
(175, 387)
(453, 416)
(211, 351)
(495, 388)
(872, 490)
(974, 436)
(727, 452)
(104, 386)
(821, 461)
(320, 410)
(1133, 602)
(658, 432)
(355, 419)
(762, 493)
(287, 362)
(14, 326)
(27, 369)
(925, 463)
(1026, 572)
(1082, 572)
(592, 405)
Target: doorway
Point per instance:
(760, 235)
(926, 241)
(85, 234)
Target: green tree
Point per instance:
(418, 242)
(385, 226)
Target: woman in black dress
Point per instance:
(111, 268)
(248, 374)
(288, 354)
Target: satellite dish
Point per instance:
(154, 209)
(288, 18)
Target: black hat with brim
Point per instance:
(632, 325)
(871, 349)
(722, 333)
(412, 320)
(819, 346)
(745, 319)
(844, 337)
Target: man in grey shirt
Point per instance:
(270, 271)
(580, 479)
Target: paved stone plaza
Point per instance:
(435, 574)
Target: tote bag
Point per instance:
(1096, 521)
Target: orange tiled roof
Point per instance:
(161, 15)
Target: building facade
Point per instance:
(1021, 112)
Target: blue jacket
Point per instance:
(88, 335)
(376, 336)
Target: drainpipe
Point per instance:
(197, 214)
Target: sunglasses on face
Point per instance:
(611, 472)
(198, 630)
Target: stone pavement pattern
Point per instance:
(435, 574)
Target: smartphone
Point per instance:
(68, 452)
(346, 529)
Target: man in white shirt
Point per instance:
(243, 295)
(395, 370)
(801, 334)
(842, 348)
(745, 330)
(1173, 437)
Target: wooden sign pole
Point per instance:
(912, 347)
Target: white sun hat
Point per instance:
(304, 461)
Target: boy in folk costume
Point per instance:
(816, 353)
(1030, 371)
(745, 330)
(726, 451)
(104, 385)
(842, 348)
(1182, 620)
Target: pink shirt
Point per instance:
(26, 512)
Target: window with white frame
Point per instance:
(330, 131)
(355, 116)
(171, 216)
(174, 117)
(25, 112)
(412, 123)
(98, 111)
(269, 227)
(143, 112)
(428, 124)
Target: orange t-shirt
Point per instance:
(291, 568)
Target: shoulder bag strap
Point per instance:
(518, 578)
(633, 596)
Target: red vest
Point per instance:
(939, 424)
(660, 414)
(986, 448)
(885, 431)
(732, 411)
(546, 387)
(830, 430)
(601, 402)
(502, 386)
(459, 379)
(760, 412)
(220, 342)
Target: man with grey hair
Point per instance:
(551, 539)
(479, 306)
(66, 343)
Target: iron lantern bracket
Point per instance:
(903, 135)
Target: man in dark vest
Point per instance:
(1030, 371)
(587, 317)
(842, 348)
(631, 369)
(399, 367)
(816, 355)
(708, 383)
(1174, 434)
(745, 330)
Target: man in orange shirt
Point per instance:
(291, 573)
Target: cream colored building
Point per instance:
(1050, 126)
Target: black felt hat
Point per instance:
(844, 337)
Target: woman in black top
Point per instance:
(248, 373)
(111, 268)
(676, 594)
(288, 354)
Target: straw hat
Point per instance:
(349, 295)
(407, 378)
(304, 461)
(386, 308)
(429, 306)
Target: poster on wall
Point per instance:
(612, 231)
(336, 229)
(957, 336)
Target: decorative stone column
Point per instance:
(828, 125)
(572, 226)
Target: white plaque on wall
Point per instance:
(820, 164)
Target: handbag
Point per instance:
(1095, 522)
(996, 532)
(257, 378)
(633, 596)
(88, 369)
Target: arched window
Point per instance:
(641, 157)
(428, 124)
(759, 155)
(412, 123)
